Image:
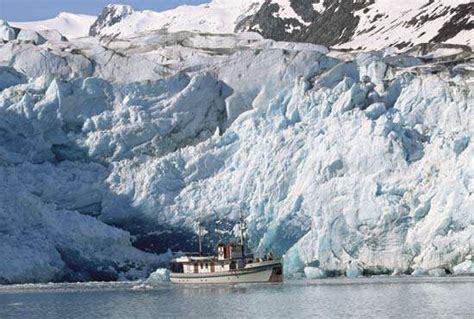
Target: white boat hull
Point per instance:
(256, 273)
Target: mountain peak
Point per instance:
(119, 9)
(110, 15)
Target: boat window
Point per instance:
(202, 266)
(278, 271)
(207, 265)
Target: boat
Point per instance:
(232, 265)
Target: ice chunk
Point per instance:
(460, 144)
(52, 35)
(397, 272)
(31, 36)
(160, 276)
(419, 271)
(334, 76)
(374, 111)
(7, 33)
(466, 267)
(437, 272)
(353, 270)
(314, 273)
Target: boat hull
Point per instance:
(265, 272)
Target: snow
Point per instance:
(287, 12)
(68, 24)
(384, 22)
(319, 6)
(355, 162)
(218, 16)
(391, 20)
(463, 37)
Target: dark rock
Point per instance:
(334, 25)
(110, 15)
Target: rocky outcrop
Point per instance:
(109, 16)
(361, 23)
(335, 25)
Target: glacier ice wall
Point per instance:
(341, 159)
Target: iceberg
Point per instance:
(159, 276)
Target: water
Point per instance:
(409, 297)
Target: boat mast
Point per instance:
(242, 237)
(200, 236)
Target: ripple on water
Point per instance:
(362, 297)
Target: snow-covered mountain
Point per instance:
(218, 16)
(352, 24)
(356, 24)
(369, 24)
(68, 24)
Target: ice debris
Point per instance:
(314, 273)
(159, 276)
(466, 267)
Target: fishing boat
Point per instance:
(232, 265)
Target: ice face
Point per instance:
(7, 33)
(31, 36)
(361, 163)
(466, 267)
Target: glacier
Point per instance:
(110, 149)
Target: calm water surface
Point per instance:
(359, 298)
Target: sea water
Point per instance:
(386, 297)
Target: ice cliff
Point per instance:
(111, 149)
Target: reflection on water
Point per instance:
(358, 298)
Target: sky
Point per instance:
(30, 10)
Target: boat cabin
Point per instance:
(229, 257)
